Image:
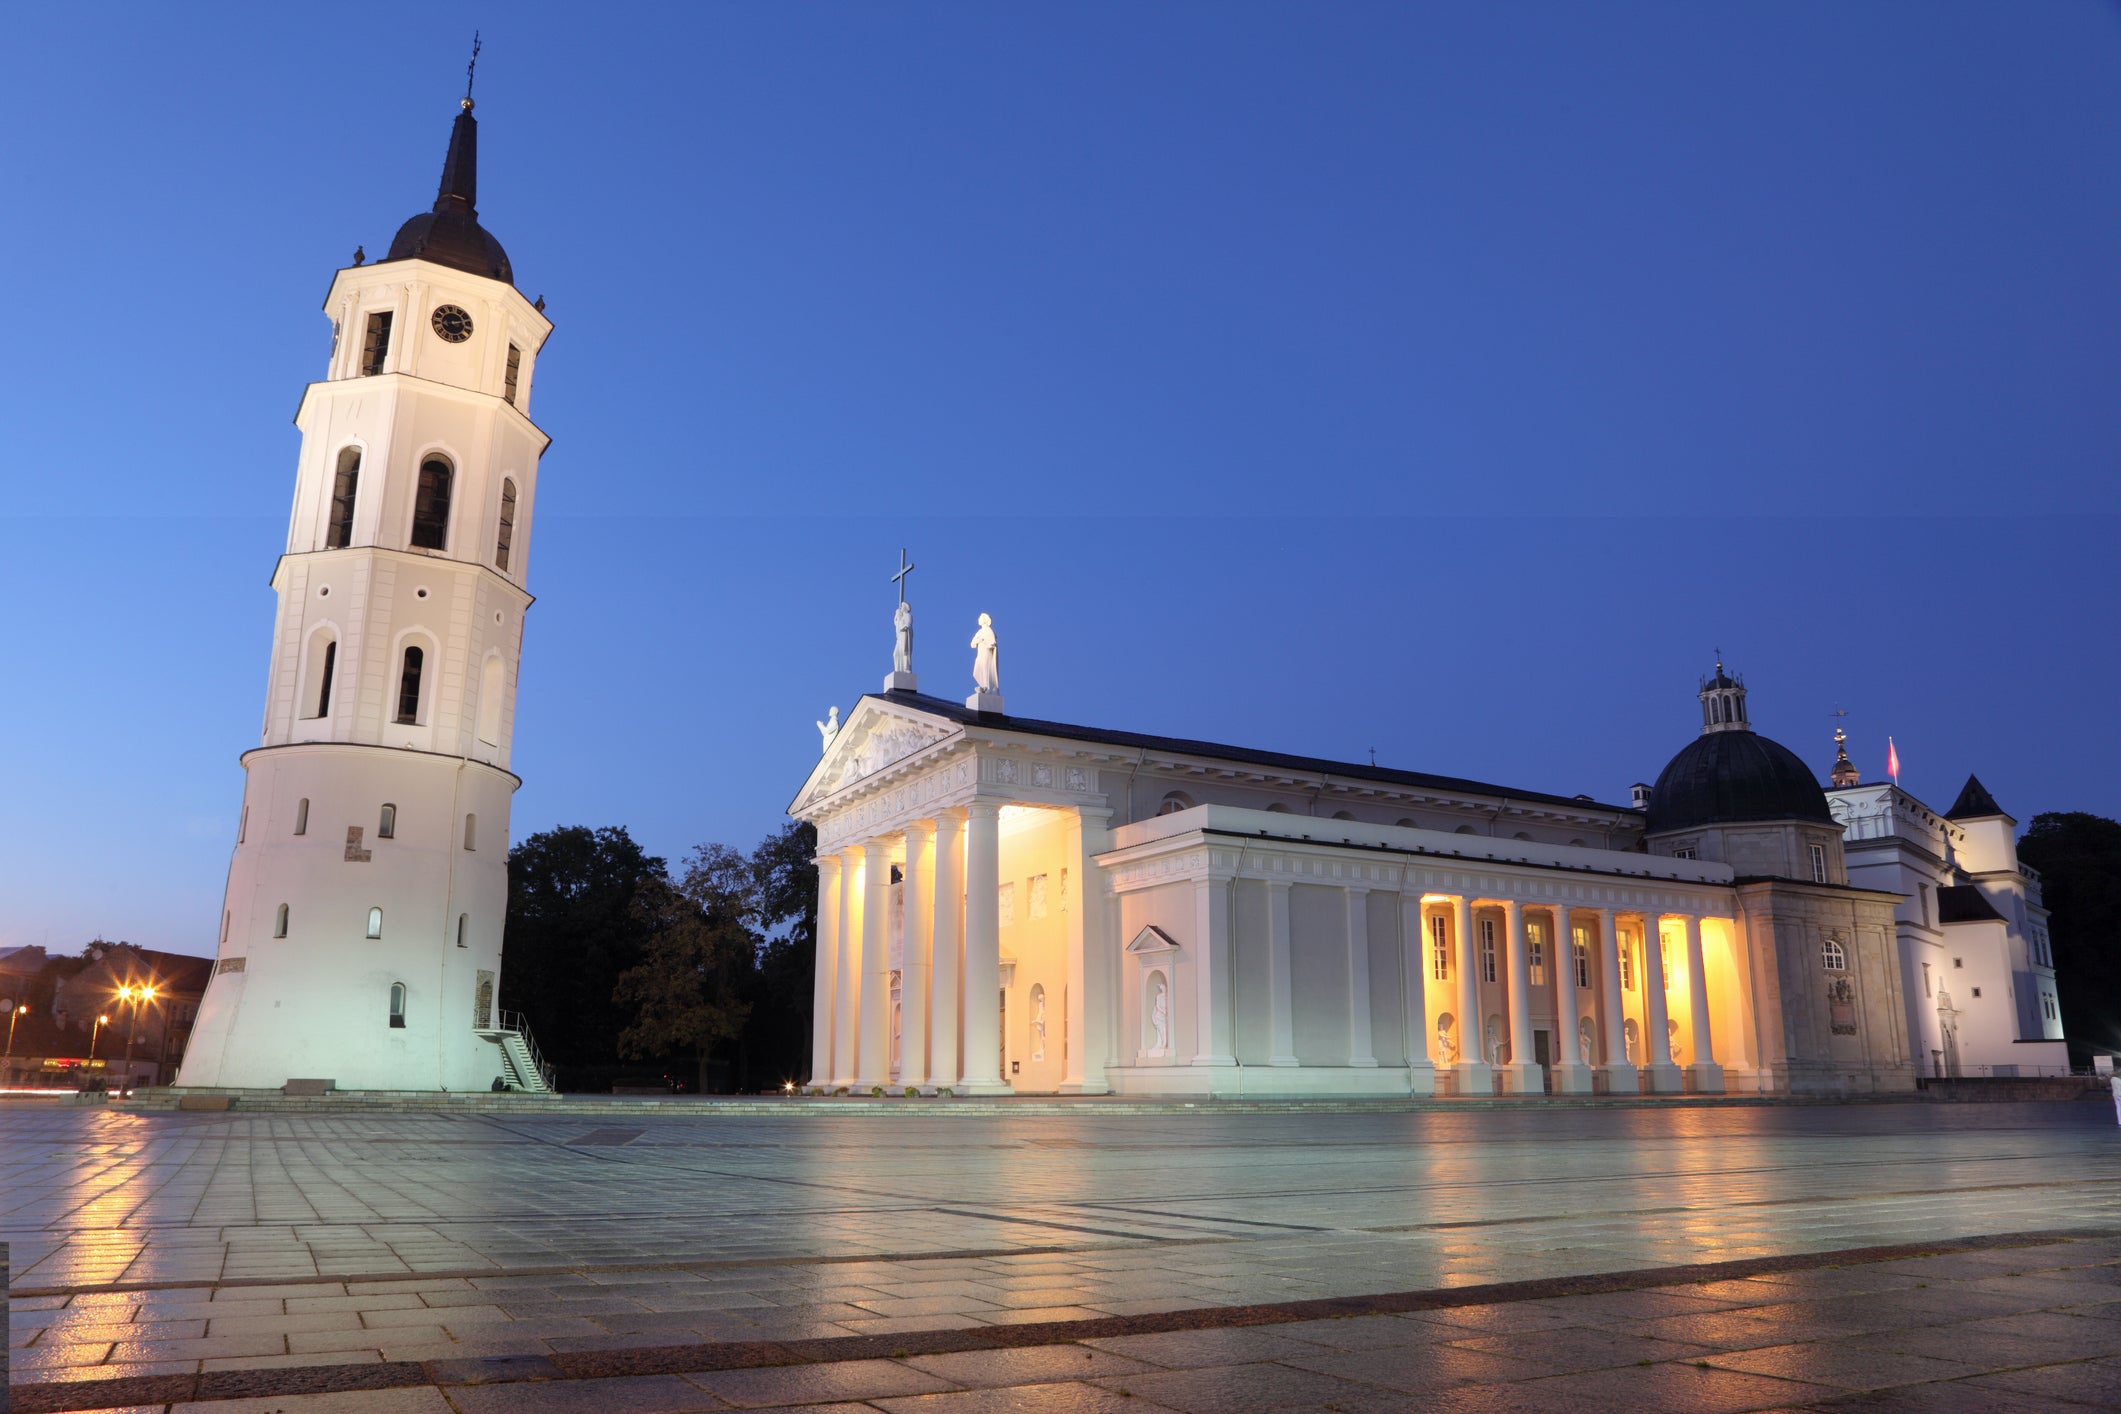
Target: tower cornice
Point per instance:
(347, 554)
(412, 382)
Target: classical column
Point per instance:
(1706, 1074)
(1621, 1077)
(1281, 980)
(847, 976)
(1660, 1075)
(1362, 1050)
(914, 971)
(1215, 1038)
(874, 1048)
(1414, 1002)
(1090, 959)
(946, 937)
(828, 924)
(983, 950)
(1521, 1075)
(1475, 1075)
(1571, 1075)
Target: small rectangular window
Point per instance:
(1440, 966)
(1977, 991)
(1687, 853)
(1582, 941)
(1819, 874)
(243, 824)
(1627, 966)
(387, 827)
(331, 658)
(471, 832)
(515, 367)
(1487, 949)
(1538, 961)
(302, 816)
(375, 344)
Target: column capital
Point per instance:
(827, 863)
(1279, 885)
(919, 829)
(1510, 907)
(982, 809)
(948, 820)
(1358, 888)
(876, 848)
(1099, 813)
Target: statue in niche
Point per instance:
(1446, 1040)
(1631, 1041)
(1494, 1040)
(1038, 1023)
(1160, 1015)
(1584, 1043)
(986, 658)
(1671, 1031)
(902, 652)
(828, 729)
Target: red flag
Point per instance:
(1892, 760)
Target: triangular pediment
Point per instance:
(1153, 939)
(874, 736)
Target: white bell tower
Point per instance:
(361, 933)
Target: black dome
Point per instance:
(450, 234)
(1728, 776)
(458, 241)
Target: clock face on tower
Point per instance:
(452, 323)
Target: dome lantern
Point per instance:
(1723, 701)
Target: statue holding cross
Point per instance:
(902, 678)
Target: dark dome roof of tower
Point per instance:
(1728, 777)
(450, 234)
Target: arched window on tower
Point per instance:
(430, 505)
(471, 832)
(387, 823)
(512, 374)
(463, 926)
(324, 672)
(338, 534)
(505, 539)
(302, 816)
(397, 1005)
(409, 686)
(279, 922)
(375, 922)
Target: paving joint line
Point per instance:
(69, 1396)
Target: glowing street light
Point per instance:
(97, 1031)
(132, 995)
(12, 1017)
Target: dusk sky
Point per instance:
(1444, 379)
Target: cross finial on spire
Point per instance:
(471, 70)
(904, 568)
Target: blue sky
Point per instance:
(1443, 379)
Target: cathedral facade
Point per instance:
(1011, 905)
(360, 937)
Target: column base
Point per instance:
(1707, 1078)
(1085, 1087)
(983, 1087)
(1621, 1079)
(1363, 1061)
(1522, 1078)
(1283, 1060)
(1572, 1080)
(1473, 1078)
(1421, 1078)
(1663, 1079)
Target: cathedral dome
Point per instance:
(1726, 777)
(450, 233)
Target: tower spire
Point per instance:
(459, 193)
(1844, 773)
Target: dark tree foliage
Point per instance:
(573, 927)
(686, 995)
(784, 883)
(2079, 859)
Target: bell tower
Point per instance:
(360, 937)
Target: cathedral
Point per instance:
(1013, 905)
(360, 939)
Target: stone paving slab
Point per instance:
(158, 1245)
(1573, 1348)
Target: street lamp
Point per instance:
(13, 1016)
(132, 996)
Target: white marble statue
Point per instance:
(1583, 1038)
(986, 658)
(1494, 1042)
(1038, 1025)
(828, 729)
(902, 652)
(1160, 1016)
(1446, 1040)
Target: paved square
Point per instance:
(184, 1243)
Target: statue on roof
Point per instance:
(902, 651)
(986, 658)
(828, 729)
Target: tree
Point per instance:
(686, 994)
(784, 882)
(2079, 859)
(573, 929)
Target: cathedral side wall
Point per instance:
(1843, 1029)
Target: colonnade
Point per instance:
(950, 980)
(1521, 1074)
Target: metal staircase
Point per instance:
(527, 1070)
